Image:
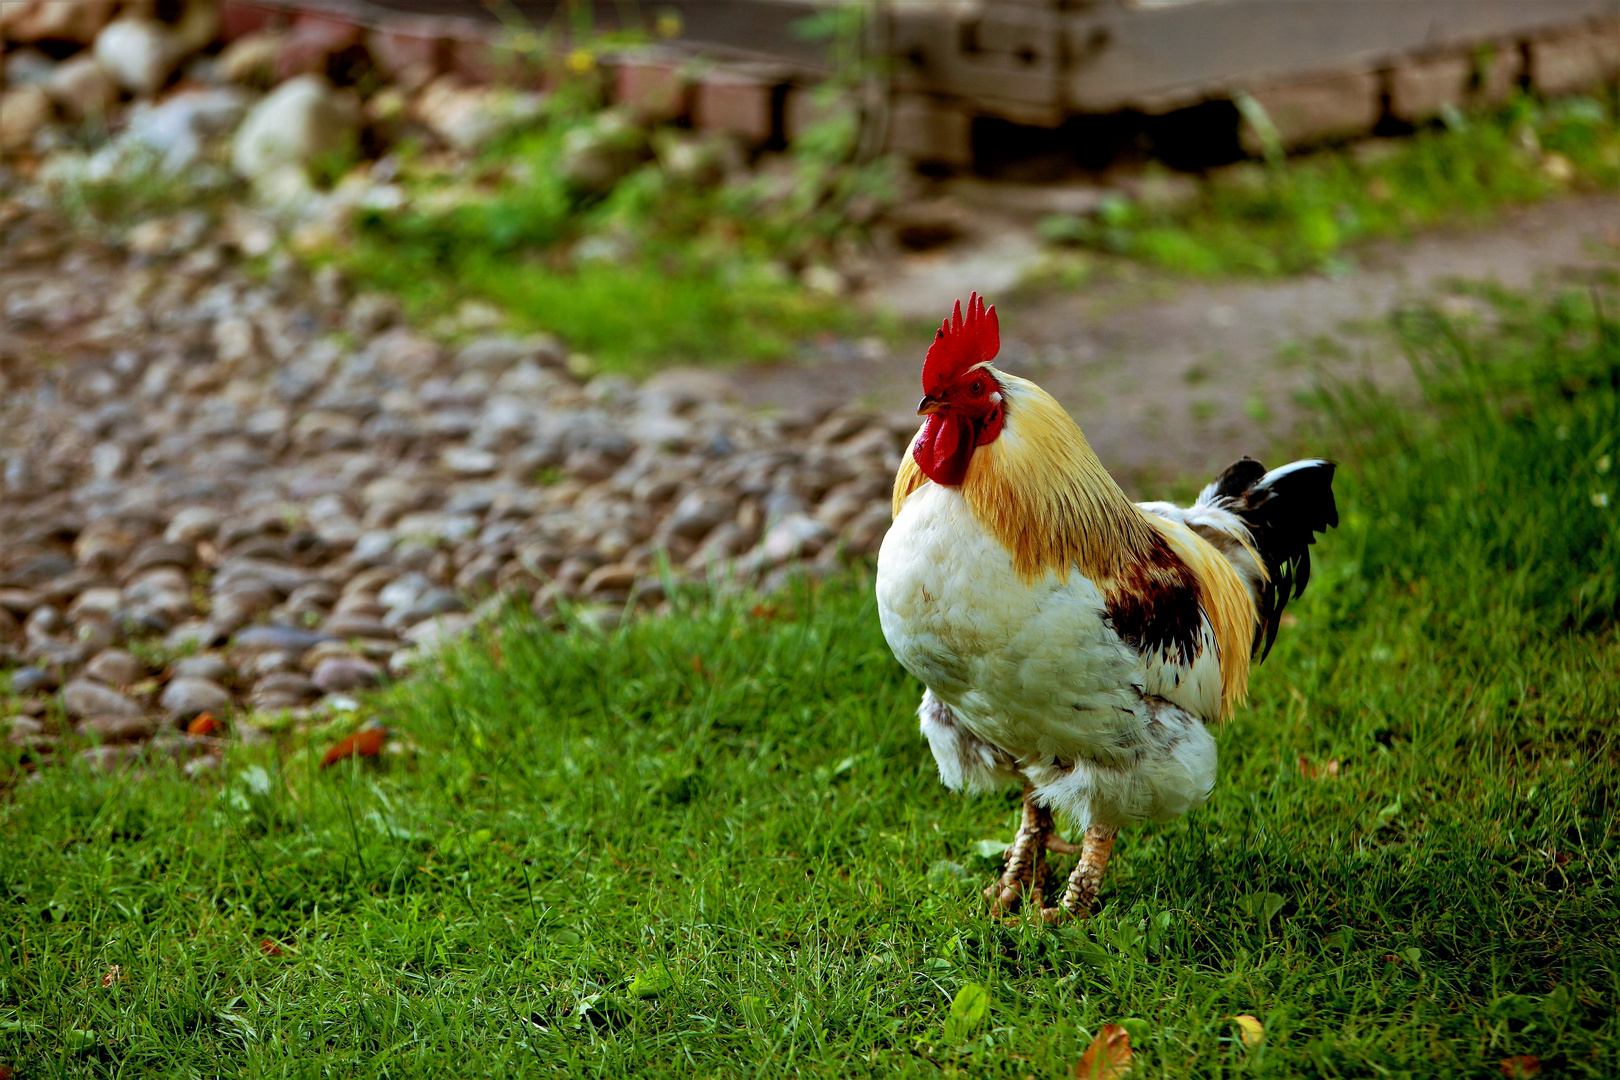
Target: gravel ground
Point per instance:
(252, 496)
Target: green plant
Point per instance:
(1304, 213)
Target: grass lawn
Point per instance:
(713, 844)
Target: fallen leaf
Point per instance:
(1520, 1065)
(6, 1073)
(652, 982)
(1329, 771)
(1250, 1033)
(204, 724)
(968, 1010)
(269, 947)
(367, 742)
(990, 849)
(1108, 1057)
(114, 976)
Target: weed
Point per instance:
(1304, 213)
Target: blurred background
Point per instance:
(335, 320)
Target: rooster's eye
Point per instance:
(978, 388)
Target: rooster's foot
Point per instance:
(1087, 874)
(1024, 878)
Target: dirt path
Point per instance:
(1172, 377)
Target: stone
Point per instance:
(429, 603)
(173, 134)
(370, 314)
(189, 695)
(794, 536)
(350, 624)
(100, 602)
(596, 156)
(286, 683)
(250, 60)
(28, 67)
(299, 121)
(82, 87)
(467, 461)
(82, 698)
(115, 667)
(191, 524)
(338, 674)
(700, 511)
(283, 638)
(150, 556)
(467, 118)
(138, 53)
(614, 577)
(117, 729)
(24, 110)
(201, 666)
(31, 680)
(38, 570)
(54, 20)
(498, 352)
(431, 635)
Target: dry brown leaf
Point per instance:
(6, 1073)
(204, 724)
(1108, 1057)
(114, 976)
(1329, 771)
(270, 947)
(1519, 1066)
(367, 742)
(1250, 1032)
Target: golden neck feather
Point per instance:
(1041, 491)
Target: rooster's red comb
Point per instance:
(960, 343)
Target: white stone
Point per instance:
(467, 118)
(299, 121)
(23, 111)
(171, 135)
(82, 87)
(138, 53)
(468, 461)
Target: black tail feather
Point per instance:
(1284, 509)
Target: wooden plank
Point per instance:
(1163, 58)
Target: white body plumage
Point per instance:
(1027, 678)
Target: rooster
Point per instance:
(1069, 639)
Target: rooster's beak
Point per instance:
(929, 406)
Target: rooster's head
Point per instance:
(961, 396)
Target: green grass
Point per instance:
(1306, 212)
(714, 845)
(688, 268)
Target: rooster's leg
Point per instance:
(1087, 874)
(1025, 873)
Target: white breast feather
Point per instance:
(1034, 670)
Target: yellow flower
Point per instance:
(668, 24)
(581, 61)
